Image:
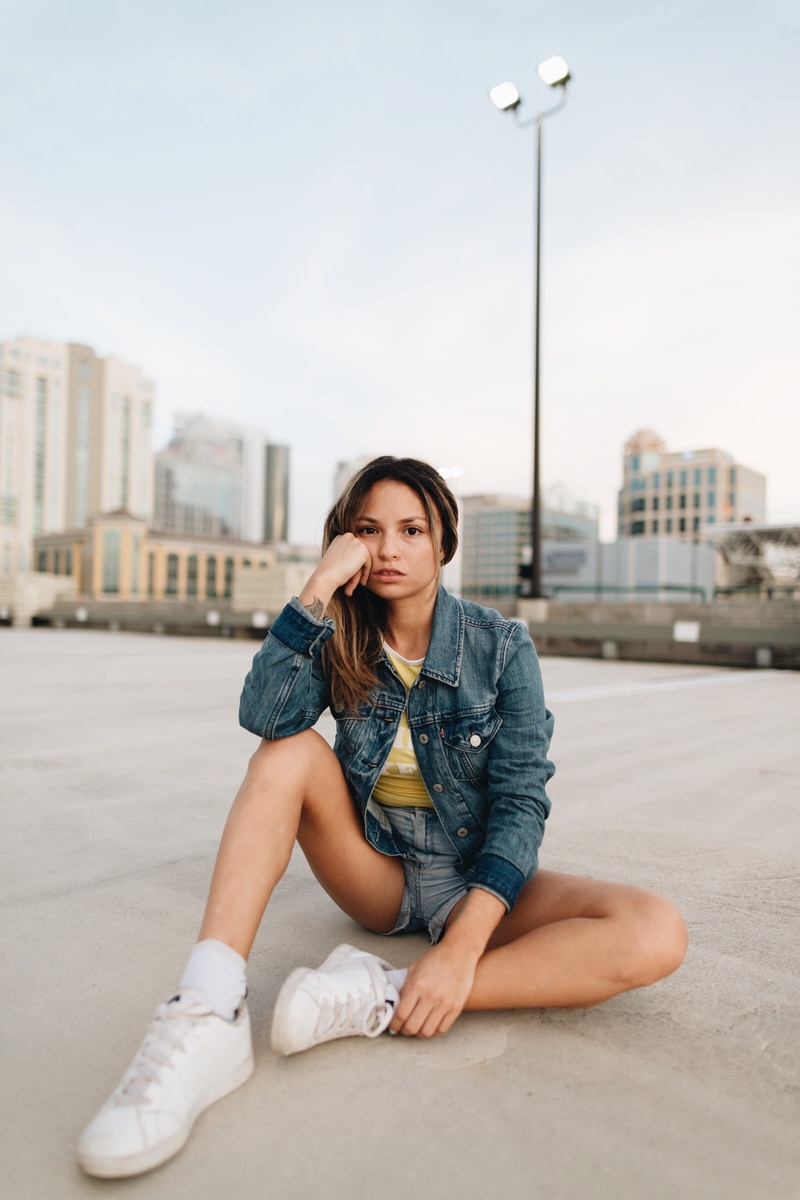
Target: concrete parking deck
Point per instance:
(119, 756)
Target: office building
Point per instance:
(219, 479)
(276, 493)
(74, 440)
(495, 539)
(677, 494)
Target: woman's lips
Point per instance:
(387, 574)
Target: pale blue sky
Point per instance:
(309, 217)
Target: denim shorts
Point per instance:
(433, 885)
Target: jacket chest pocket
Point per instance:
(466, 743)
(351, 733)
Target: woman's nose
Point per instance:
(387, 548)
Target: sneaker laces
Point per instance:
(166, 1034)
(357, 1012)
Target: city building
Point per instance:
(74, 440)
(345, 471)
(495, 539)
(677, 494)
(276, 493)
(220, 479)
(118, 557)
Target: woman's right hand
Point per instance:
(346, 563)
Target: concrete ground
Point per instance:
(119, 756)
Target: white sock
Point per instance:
(219, 973)
(397, 977)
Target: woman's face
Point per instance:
(393, 526)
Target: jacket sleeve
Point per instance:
(518, 772)
(285, 690)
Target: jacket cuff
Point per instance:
(498, 876)
(297, 629)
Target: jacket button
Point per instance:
(462, 832)
(423, 737)
(475, 739)
(437, 787)
(421, 683)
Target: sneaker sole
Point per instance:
(154, 1156)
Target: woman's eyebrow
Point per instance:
(402, 521)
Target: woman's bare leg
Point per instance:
(572, 942)
(294, 790)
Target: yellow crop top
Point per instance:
(400, 783)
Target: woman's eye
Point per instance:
(365, 529)
(413, 530)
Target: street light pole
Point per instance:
(505, 96)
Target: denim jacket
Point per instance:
(478, 721)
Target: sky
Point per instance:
(309, 218)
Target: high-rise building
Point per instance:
(276, 493)
(74, 440)
(495, 539)
(221, 479)
(345, 471)
(678, 493)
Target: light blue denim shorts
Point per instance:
(433, 885)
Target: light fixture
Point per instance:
(554, 71)
(505, 96)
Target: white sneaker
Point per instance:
(189, 1058)
(349, 995)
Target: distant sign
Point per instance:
(564, 562)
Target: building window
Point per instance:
(682, 500)
(696, 524)
(228, 578)
(669, 479)
(637, 505)
(712, 499)
(637, 527)
(696, 502)
(684, 478)
(638, 485)
(669, 525)
(669, 501)
(655, 526)
(125, 453)
(656, 479)
(38, 455)
(135, 556)
(172, 575)
(682, 525)
(733, 475)
(12, 383)
(698, 477)
(710, 519)
(712, 474)
(111, 555)
(56, 562)
(41, 560)
(68, 562)
(211, 577)
(191, 575)
(634, 462)
(151, 573)
(655, 503)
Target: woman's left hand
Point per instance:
(435, 991)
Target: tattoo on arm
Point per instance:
(316, 608)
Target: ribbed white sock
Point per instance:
(397, 976)
(219, 973)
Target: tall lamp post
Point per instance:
(555, 73)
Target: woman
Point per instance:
(426, 815)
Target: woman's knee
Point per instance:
(298, 750)
(655, 939)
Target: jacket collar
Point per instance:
(443, 660)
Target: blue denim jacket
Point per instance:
(478, 720)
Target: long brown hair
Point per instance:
(350, 655)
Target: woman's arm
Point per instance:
(285, 691)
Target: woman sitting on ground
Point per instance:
(427, 814)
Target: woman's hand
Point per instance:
(438, 985)
(346, 563)
(435, 991)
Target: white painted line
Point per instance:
(607, 691)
